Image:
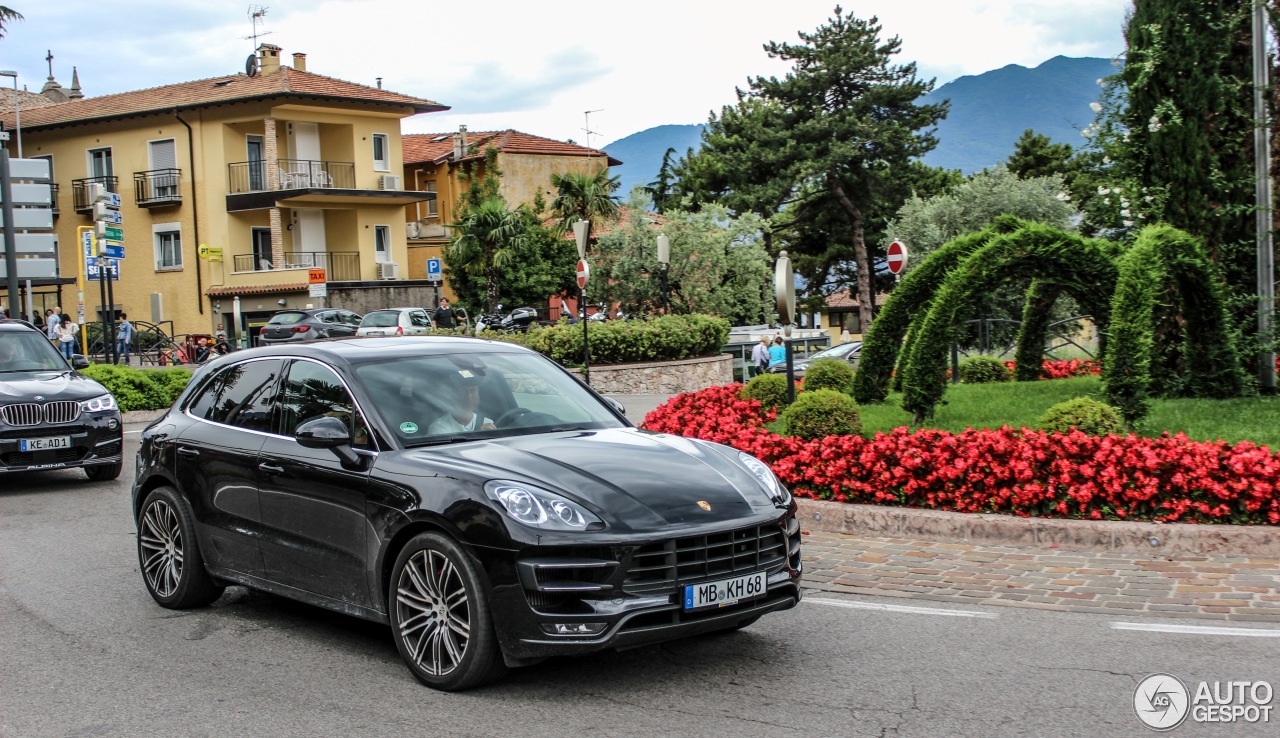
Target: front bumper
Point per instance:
(632, 595)
(96, 439)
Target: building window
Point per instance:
(100, 163)
(433, 207)
(382, 243)
(381, 153)
(168, 238)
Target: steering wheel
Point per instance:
(507, 418)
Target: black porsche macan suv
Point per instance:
(52, 416)
(483, 502)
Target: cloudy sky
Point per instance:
(532, 66)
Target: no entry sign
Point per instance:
(584, 273)
(897, 259)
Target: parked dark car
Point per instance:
(52, 416)
(842, 352)
(290, 326)
(483, 502)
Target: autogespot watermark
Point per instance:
(1163, 702)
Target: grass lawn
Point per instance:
(1017, 404)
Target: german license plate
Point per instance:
(377, 333)
(724, 592)
(46, 444)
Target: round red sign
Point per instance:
(584, 273)
(897, 258)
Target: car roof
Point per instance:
(361, 349)
(394, 310)
(12, 324)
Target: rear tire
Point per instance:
(440, 617)
(172, 567)
(103, 472)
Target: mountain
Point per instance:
(989, 112)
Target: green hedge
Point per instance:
(832, 374)
(1085, 415)
(666, 338)
(822, 413)
(140, 389)
(769, 389)
(983, 370)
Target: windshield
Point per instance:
(835, 352)
(28, 351)
(287, 318)
(437, 399)
(382, 319)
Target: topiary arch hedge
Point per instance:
(1158, 304)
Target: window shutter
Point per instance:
(163, 155)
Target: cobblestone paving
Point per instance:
(1165, 585)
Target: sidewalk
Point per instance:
(1232, 588)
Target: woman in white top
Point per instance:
(67, 338)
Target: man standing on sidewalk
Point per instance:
(52, 317)
(760, 355)
(124, 337)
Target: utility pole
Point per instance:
(1262, 176)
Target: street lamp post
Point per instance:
(17, 107)
(664, 262)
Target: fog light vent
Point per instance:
(573, 629)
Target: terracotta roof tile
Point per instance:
(846, 300)
(261, 289)
(28, 100)
(436, 147)
(287, 82)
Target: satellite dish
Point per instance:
(251, 65)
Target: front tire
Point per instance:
(440, 616)
(103, 472)
(169, 555)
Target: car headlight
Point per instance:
(99, 404)
(538, 508)
(778, 493)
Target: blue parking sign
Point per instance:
(433, 270)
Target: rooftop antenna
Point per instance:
(587, 115)
(256, 14)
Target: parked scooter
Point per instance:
(517, 321)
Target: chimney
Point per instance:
(268, 59)
(460, 143)
(300, 62)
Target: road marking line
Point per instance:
(903, 608)
(1198, 629)
(127, 433)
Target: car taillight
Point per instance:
(301, 329)
(399, 331)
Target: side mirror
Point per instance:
(79, 361)
(329, 433)
(617, 406)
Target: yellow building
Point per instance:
(243, 185)
(434, 162)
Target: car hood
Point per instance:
(51, 385)
(633, 479)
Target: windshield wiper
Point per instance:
(442, 441)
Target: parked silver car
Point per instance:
(403, 321)
(843, 352)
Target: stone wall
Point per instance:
(661, 378)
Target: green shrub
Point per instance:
(1085, 415)
(140, 389)
(665, 338)
(822, 413)
(984, 369)
(832, 374)
(769, 389)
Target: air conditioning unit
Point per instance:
(413, 229)
(389, 182)
(388, 270)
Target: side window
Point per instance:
(241, 395)
(350, 318)
(329, 317)
(312, 391)
(419, 319)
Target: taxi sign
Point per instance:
(315, 276)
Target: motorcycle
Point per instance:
(517, 321)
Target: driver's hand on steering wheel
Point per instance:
(488, 426)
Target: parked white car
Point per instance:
(404, 321)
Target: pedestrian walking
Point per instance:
(443, 316)
(124, 337)
(760, 355)
(777, 352)
(52, 317)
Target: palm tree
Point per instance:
(486, 238)
(583, 197)
(6, 15)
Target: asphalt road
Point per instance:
(84, 651)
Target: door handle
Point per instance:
(271, 469)
(190, 453)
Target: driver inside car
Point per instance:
(464, 388)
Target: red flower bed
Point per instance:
(1068, 368)
(1023, 472)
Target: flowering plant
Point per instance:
(1015, 471)
(1067, 368)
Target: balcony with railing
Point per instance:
(157, 188)
(80, 191)
(339, 266)
(291, 174)
(54, 198)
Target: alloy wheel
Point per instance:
(433, 612)
(161, 541)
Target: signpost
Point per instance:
(784, 292)
(106, 216)
(318, 281)
(897, 258)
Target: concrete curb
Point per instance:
(1043, 533)
(141, 416)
